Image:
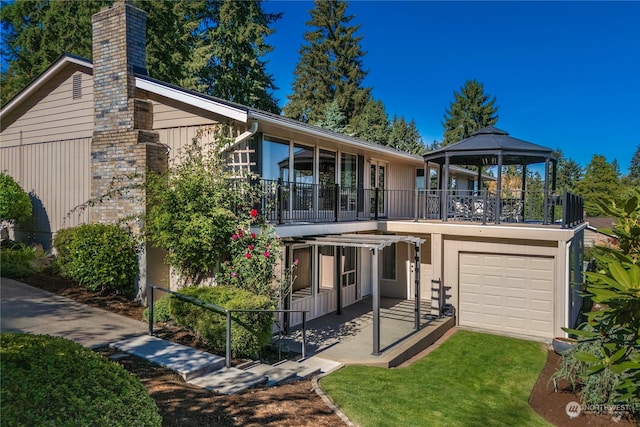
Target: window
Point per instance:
(348, 266)
(420, 183)
(275, 159)
(389, 262)
(327, 268)
(303, 274)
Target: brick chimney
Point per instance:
(124, 147)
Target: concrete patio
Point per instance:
(348, 337)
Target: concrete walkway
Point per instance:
(32, 310)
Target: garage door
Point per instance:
(509, 294)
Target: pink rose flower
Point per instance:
(253, 213)
(253, 235)
(267, 254)
(234, 237)
(250, 247)
(248, 255)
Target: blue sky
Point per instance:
(565, 74)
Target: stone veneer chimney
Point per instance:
(124, 147)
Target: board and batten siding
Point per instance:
(57, 177)
(52, 114)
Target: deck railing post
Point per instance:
(415, 210)
(228, 343)
(336, 202)
(150, 309)
(279, 201)
(376, 199)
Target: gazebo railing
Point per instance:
(513, 206)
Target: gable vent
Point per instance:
(77, 86)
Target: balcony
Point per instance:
(294, 203)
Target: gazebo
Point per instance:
(491, 146)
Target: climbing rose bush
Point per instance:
(252, 258)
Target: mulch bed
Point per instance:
(292, 404)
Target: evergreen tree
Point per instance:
(36, 33)
(405, 136)
(330, 66)
(470, 111)
(180, 36)
(600, 182)
(334, 119)
(235, 37)
(372, 124)
(569, 173)
(634, 168)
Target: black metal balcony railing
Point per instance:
(285, 202)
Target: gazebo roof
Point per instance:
(484, 147)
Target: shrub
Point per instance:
(161, 310)
(249, 331)
(98, 256)
(17, 261)
(51, 381)
(15, 204)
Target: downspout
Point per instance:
(247, 134)
(567, 277)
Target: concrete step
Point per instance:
(229, 380)
(309, 367)
(186, 361)
(275, 374)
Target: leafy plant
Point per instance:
(249, 331)
(193, 208)
(615, 326)
(18, 261)
(98, 256)
(15, 204)
(51, 381)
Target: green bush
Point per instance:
(15, 204)
(249, 331)
(161, 310)
(17, 261)
(98, 256)
(51, 381)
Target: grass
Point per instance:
(472, 379)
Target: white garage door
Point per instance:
(510, 294)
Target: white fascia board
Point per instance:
(42, 80)
(192, 99)
(323, 134)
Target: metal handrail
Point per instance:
(228, 314)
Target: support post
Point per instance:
(336, 203)
(417, 286)
(445, 186)
(338, 278)
(150, 309)
(545, 220)
(279, 201)
(228, 343)
(376, 200)
(376, 302)
(304, 334)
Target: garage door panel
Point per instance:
(507, 293)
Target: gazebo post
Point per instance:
(524, 188)
(445, 185)
(498, 210)
(479, 177)
(545, 220)
(553, 191)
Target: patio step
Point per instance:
(229, 380)
(275, 374)
(311, 366)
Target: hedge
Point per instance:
(249, 331)
(51, 381)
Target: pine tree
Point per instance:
(405, 136)
(182, 47)
(634, 167)
(36, 33)
(569, 173)
(372, 124)
(330, 66)
(334, 119)
(470, 111)
(600, 182)
(236, 40)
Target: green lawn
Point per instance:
(472, 379)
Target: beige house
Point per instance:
(364, 221)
